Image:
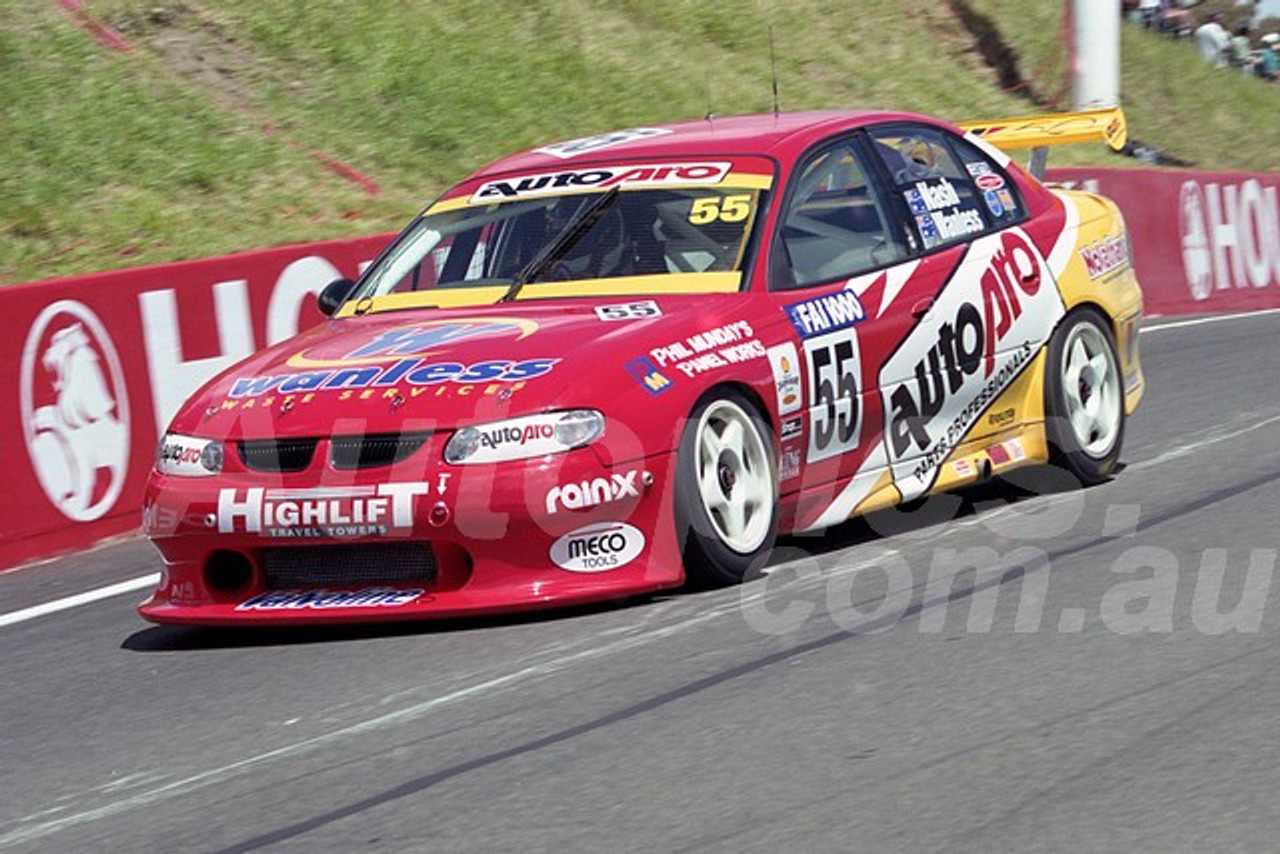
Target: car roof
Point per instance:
(779, 135)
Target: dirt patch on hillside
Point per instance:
(191, 44)
(971, 42)
(987, 42)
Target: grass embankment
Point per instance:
(199, 140)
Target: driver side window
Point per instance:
(835, 226)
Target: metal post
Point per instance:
(1097, 54)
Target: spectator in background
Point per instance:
(1213, 42)
(1242, 50)
(1174, 20)
(1268, 67)
(1149, 13)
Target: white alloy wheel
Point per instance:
(1091, 390)
(734, 476)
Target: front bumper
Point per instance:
(405, 542)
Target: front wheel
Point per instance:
(1084, 397)
(726, 497)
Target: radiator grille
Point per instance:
(376, 449)
(348, 565)
(276, 455)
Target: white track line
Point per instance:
(1191, 447)
(79, 599)
(37, 825)
(1200, 321)
(149, 580)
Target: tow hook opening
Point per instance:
(226, 571)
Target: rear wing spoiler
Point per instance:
(1040, 132)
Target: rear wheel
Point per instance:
(726, 497)
(1084, 397)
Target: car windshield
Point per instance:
(658, 235)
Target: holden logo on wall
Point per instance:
(75, 410)
(1197, 258)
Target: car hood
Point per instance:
(431, 370)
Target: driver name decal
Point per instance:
(940, 213)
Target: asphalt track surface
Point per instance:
(1107, 680)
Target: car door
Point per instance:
(845, 270)
(995, 305)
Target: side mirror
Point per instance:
(334, 295)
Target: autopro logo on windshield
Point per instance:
(602, 177)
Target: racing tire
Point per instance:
(1084, 397)
(726, 490)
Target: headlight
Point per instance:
(524, 438)
(187, 456)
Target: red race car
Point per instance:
(604, 366)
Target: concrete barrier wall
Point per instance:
(95, 366)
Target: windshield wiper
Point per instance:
(578, 226)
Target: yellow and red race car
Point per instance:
(604, 366)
